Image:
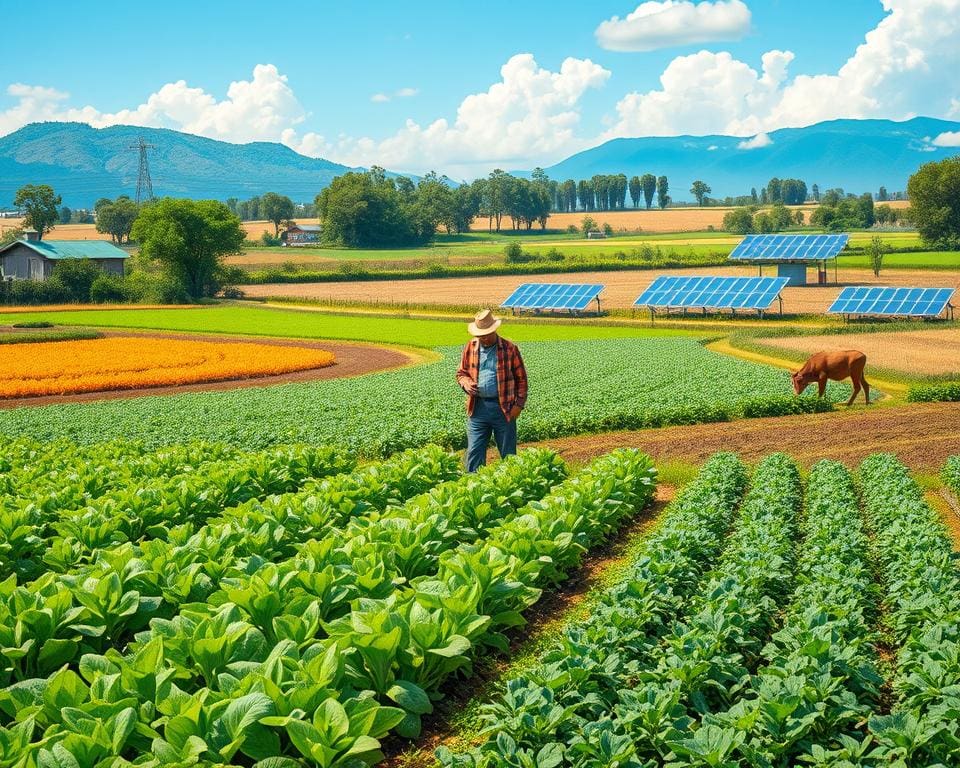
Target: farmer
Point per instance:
(492, 374)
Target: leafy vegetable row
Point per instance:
(922, 599)
(216, 691)
(563, 699)
(59, 536)
(820, 682)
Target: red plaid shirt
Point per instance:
(511, 374)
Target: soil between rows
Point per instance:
(351, 360)
(922, 435)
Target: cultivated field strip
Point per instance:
(285, 658)
(577, 682)
(819, 681)
(60, 538)
(921, 586)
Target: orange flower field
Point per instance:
(95, 365)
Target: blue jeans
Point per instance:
(488, 419)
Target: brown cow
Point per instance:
(837, 366)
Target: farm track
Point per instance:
(546, 619)
(354, 359)
(922, 435)
(949, 508)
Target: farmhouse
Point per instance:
(34, 259)
(305, 234)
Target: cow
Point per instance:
(836, 365)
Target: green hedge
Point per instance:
(947, 392)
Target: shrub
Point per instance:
(607, 229)
(269, 240)
(945, 392)
(587, 224)
(783, 405)
(76, 276)
(108, 289)
(572, 229)
(34, 324)
(513, 253)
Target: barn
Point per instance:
(302, 234)
(34, 259)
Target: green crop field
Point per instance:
(204, 604)
(577, 386)
(268, 321)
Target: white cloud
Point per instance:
(406, 93)
(904, 67)
(379, 98)
(712, 148)
(259, 109)
(403, 93)
(529, 115)
(947, 139)
(757, 142)
(655, 25)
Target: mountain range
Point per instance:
(857, 155)
(84, 163)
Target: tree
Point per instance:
(773, 190)
(65, 215)
(816, 193)
(875, 251)
(365, 210)
(700, 190)
(587, 224)
(276, 208)
(663, 187)
(934, 192)
(115, 218)
(753, 195)
(188, 239)
(585, 195)
(649, 183)
(636, 191)
(39, 203)
(739, 221)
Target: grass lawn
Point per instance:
(268, 321)
(918, 260)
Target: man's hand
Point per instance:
(470, 388)
(514, 413)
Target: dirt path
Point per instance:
(621, 288)
(353, 359)
(923, 435)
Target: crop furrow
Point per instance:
(922, 598)
(578, 679)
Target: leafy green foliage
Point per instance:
(934, 191)
(312, 649)
(934, 393)
(375, 415)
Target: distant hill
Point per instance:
(857, 155)
(84, 163)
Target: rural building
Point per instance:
(596, 235)
(33, 259)
(306, 234)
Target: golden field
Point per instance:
(97, 365)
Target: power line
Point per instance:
(144, 185)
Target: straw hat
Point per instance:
(483, 323)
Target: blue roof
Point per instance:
(72, 249)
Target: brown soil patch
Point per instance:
(923, 435)
(946, 504)
(621, 288)
(912, 352)
(352, 359)
(546, 618)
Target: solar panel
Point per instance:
(789, 247)
(571, 296)
(909, 302)
(711, 292)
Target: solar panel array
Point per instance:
(911, 302)
(712, 292)
(789, 247)
(571, 296)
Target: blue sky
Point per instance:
(368, 82)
